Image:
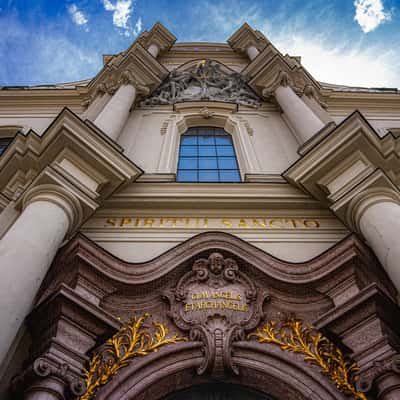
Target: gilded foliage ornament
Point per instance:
(317, 349)
(133, 340)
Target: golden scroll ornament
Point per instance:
(133, 340)
(317, 349)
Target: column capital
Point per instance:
(128, 78)
(46, 375)
(59, 196)
(282, 78)
(367, 325)
(366, 199)
(376, 188)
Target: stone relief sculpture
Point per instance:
(216, 303)
(204, 81)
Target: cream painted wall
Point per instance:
(273, 142)
(142, 140)
(269, 137)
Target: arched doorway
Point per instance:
(217, 392)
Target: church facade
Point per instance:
(199, 221)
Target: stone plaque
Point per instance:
(217, 303)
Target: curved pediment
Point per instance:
(83, 254)
(214, 299)
(203, 80)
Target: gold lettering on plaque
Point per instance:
(226, 222)
(237, 223)
(148, 222)
(111, 221)
(219, 301)
(125, 221)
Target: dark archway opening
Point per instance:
(218, 392)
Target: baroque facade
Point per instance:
(199, 221)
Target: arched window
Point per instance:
(206, 154)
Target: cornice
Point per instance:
(118, 272)
(353, 143)
(246, 36)
(265, 73)
(41, 102)
(217, 196)
(71, 155)
(350, 169)
(158, 35)
(374, 105)
(136, 61)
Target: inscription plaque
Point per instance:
(216, 303)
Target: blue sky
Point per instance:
(354, 42)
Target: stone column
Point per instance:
(300, 116)
(27, 250)
(154, 50)
(252, 52)
(113, 117)
(379, 223)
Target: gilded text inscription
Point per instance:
(259, 223)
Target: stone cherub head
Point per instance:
(217, 263)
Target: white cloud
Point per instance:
(78, 17)
(370, 14)
(346, 64)
(122, 11)
(138, 27)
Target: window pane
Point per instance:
(188, 163)
(207, 155)
(186, 140)
(187, 176)
(208, 163)
(189, 150)
(207, 151)
(206, 131)
(204, 140)
(208, 176)
(229, 176)
(224, 140)
(225, 151)
(227, 163)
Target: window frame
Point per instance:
(213, 152)
(4, 143)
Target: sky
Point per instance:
(350, 42)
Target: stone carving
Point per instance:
(381, 367)
(40, 374)
(206, 113)
(295, 336)
(204, 81)
(135, 339)
(217, 304)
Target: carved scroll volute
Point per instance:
(217, 303)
